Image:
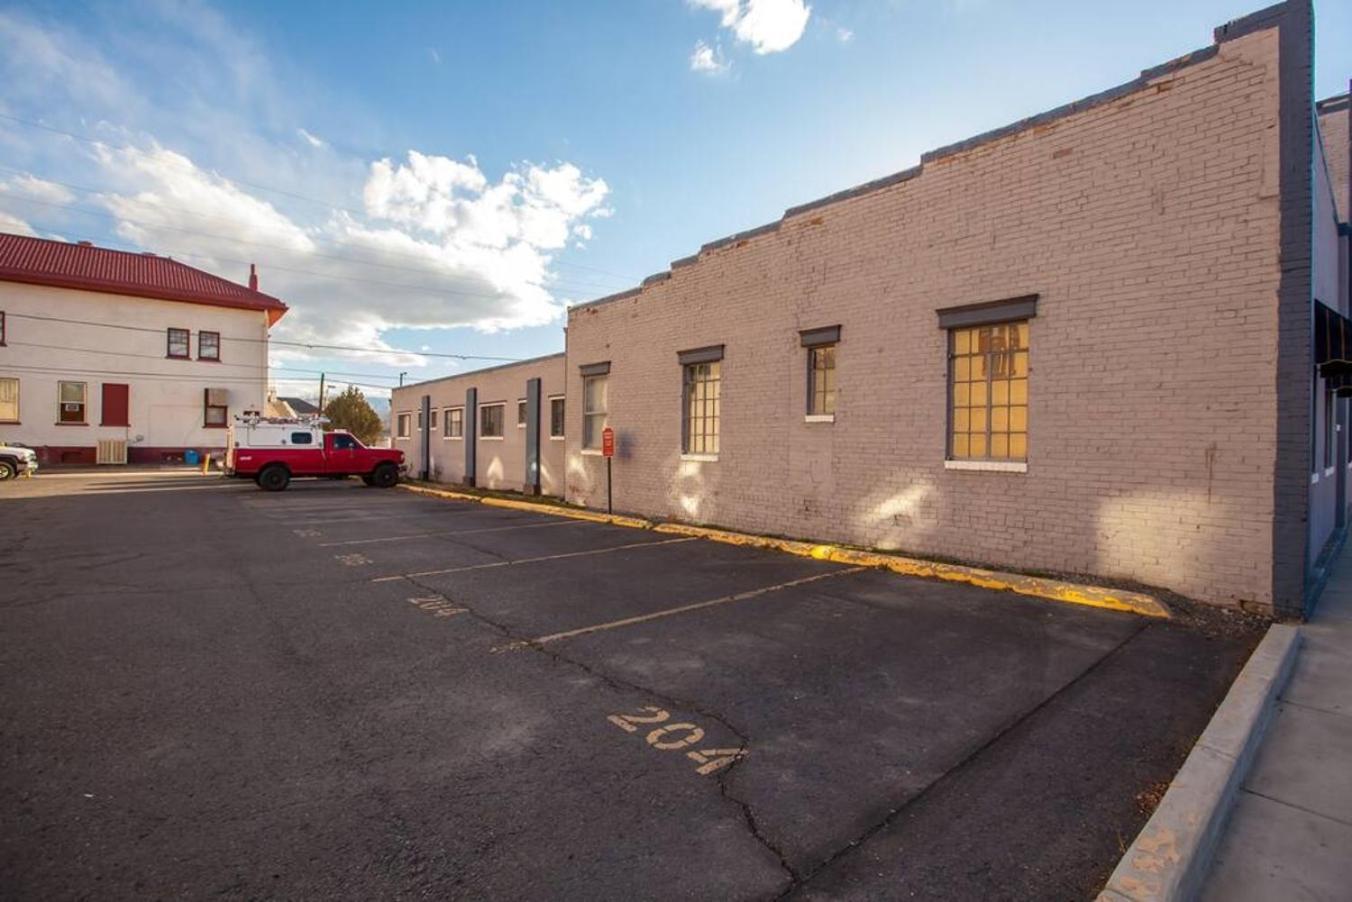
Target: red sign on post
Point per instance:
(608, 442)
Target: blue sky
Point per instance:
(564, 150)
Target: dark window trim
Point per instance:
(217, 355)
(2, 328)
(988, 313)
(563, 420)
(826, 335)
(208, 408)
(169, 343)
(709, 354)
(595, 369)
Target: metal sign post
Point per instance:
(608, 451)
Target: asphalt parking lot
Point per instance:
(348, 692)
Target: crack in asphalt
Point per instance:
(892, 815)
(623, 685)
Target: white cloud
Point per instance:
(14, 225)
(707, 59)
(434, 55)
(30, 186)
(844, 35)
(421, 241)
(769, 26)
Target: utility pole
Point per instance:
(321, 393)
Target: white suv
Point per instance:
(17, 460)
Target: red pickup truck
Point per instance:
(271, 450)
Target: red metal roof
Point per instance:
(38, 261)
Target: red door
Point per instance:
(116, 406)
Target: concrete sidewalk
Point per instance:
(1290, 834)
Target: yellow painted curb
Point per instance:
(1039, 587)
(513, 504)
(1035, 586)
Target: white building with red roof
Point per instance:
(109, 356)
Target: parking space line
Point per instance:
(532, 560)
(453, 532)
(671, 612)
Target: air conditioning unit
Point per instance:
(112, 451)
(218, 397)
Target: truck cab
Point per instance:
(273, 450)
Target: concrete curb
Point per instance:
(1171, 857)
(1038, 587)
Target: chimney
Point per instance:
(86, 244)
(253, 277)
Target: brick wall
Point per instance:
(1333, 128)
(500, 463)
(1147, 220)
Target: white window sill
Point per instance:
(591, 452)
(705, 458)
(556, 438)
(988, 466)
(1330, 471)
(820, 418)
(1314, 477)
(452, 438)
(490, 438)
(520, 425)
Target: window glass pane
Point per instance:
(72, 392)
(594, 401)
(178, 342)
(490, 421)
(9, 399)
(209, 345)
(988, 382)
(300, 438)
(521, 413)
(700, 407)
(556, 417)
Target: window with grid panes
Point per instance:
(988, 386)
(821, 382)
(700, 410)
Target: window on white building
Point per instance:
(9, 400)
(71, 402)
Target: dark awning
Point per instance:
(1332, 342)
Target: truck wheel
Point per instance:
(274, 479)
(368, 479)
(7, 470)
(386, 476)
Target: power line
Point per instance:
(327, 205)
(24, 198)
(214, 363)
(58, 371)
(269, 341)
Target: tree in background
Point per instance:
(351, 411)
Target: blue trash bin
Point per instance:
(190, 458)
